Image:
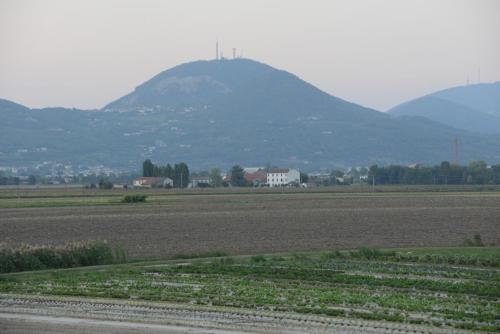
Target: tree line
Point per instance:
(179, 173)
(477, 172)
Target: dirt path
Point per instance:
(23, 314)
(27, 323)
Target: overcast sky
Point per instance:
(377, 53)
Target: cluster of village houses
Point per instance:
(258, 177)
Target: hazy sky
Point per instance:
(87, 53)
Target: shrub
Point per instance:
(475, 242)
(258, 258)
(74, 254)
(332, 255)
(366, 253)
(200, 255)
(134, 199)
(105, 184)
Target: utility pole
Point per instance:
(373, 183)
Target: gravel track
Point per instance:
(21, 314)
(250, 224)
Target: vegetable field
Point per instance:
(427, 288)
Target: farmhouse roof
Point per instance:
(256, 176)
(280, 170)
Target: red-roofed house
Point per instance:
(256, 178)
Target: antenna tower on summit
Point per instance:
(217, 49)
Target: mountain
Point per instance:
(9, 106)
(225, 112)
(191, 85)
(473, 108)
(483, 97)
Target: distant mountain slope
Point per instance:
(474, 108)
(219, 113)
(9, 106)
(483, 97)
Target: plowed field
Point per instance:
(262, 223)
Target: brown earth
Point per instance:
(264, 223)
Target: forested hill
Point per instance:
(222, 112)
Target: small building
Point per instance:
(150, 182)
(279, 177)
(256, 178)
(226, 178)
(199, 182)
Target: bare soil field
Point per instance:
(263, 223)
(48, 191)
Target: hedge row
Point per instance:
(75, 254)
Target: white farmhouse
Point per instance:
(282, 176)
(199, 181)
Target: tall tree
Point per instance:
(32, 179)
(445, 171)
(215, 177)
(304, 177)
(181, 175)
(147, 168)
(169, 171)
(238, 177)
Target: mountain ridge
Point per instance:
(219, 113)
(474, 108)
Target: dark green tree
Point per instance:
(478, 172)
(238, 177)
(304, 178)
(32, 179)
(167, 171)
(147, 168)
(215, 177)
(181, 175)
(105, 184)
